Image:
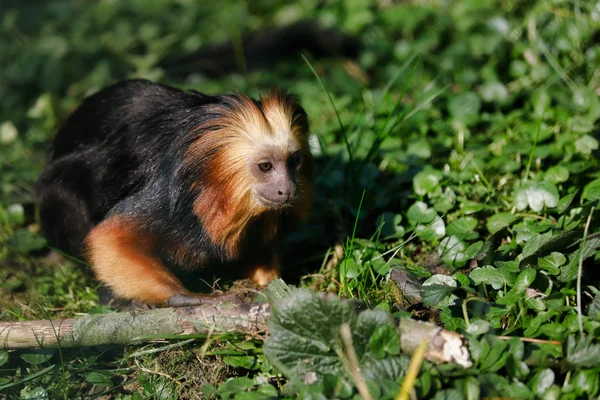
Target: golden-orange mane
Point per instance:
(225, 204)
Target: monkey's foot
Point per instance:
(194, 299)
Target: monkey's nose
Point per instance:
(285, 192)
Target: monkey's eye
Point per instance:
(295, 160)
(265, 167)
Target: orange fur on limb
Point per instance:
(262, 274)
(122, 257)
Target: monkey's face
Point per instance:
(252, 157)
(276, 175)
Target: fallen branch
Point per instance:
(246, 318)
(132, 327)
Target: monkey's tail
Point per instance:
(263, 49)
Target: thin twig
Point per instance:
(535, 216)
(413, 370)
(154, 372)
(531, 340)
(351, 363)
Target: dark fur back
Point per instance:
(106, 151)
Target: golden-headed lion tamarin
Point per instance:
(142, 176)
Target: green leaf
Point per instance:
(586, 144)
(389, 368)
(568, 271)
(433, 294)
(565, 202)
(426, 181)
(586, 382)
(465, 107)
(552, 263)
(591, 191)
(350, 268)
(524, 281)
(385, 340)
(486, 252)
(537, 321)
(517, 348)
(473, 250)
(580, 124)
(446, 201)
(494, 91)
(419, 147)
(508, 266)
(535, 304)
(556, 174)
(391, 224)
(247, 362)
(433, 231)
(40, 356)
(367, 324)
(419, 213)
(268, 391)
(593, 311)
(535, 243)
(452, 251)
(448, 394)
(542, 381)
(277, 289)
(235, 385)
(3, 356)
(436, 288)
(491, 276)
(471, 207)
(480, 327)
(335, 385)
(536, 195)
(208, 389)
(541, 245)
(462, 279)
(497, 355)
(33, 393)
(99, 378)
(16, 213)
(552, 330)
(582, 352)
(8, 133)
(381, 266)
(24, 241)
(471, 388)
(499, 221)
(462, 227)
(304, 335)
(479, 348)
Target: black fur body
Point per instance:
(120, 152)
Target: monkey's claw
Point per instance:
(183, 300)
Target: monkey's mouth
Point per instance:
(275, 205)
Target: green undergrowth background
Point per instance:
(457, 182)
